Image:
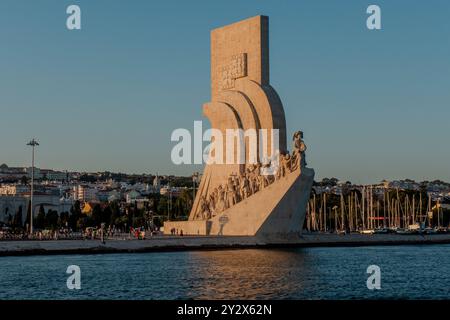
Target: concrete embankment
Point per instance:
(167, 243)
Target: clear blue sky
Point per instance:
(372, 104)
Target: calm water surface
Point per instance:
(410, 272)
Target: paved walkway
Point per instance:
(171, 243)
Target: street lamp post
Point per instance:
(33, 143)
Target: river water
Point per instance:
(407, 272)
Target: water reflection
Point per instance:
(415, 272)
(249, 274)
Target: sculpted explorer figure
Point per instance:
(220, 206)
(299, 151)
(286, 164)
(204, 205)
(212, 203)
(244, 190)
(231, 193)
(237, 186)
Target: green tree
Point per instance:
(39, 221)
(121, 221)
(106, 215)
(81, 223)
(63, 219)
(96, 217)
(115, 212)
(17, 221)
(10, 219)
(158, 222)
(162, 206)
(75, 215)
(24, 180)
(138, 221)
(51, 219)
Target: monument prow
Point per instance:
(263, 197)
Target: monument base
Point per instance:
(276, 212)
(189, 227)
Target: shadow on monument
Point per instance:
(223, 220)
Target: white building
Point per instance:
(13, 189)
(84, 193)
(132, 196)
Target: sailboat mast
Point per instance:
(406, 219)
(429, 209)
(399, 212)
(438, 214)
(362, 208)
(389, 210)
(384, 208)
(352, 227)
(420, 208)
(342, 211)
(356, 211)
(372, 213)
(335, 221)
(325, 211)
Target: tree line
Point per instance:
(154, 212)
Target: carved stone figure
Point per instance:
(261, 182)
(278, 173)
(204, 205)
(237, 183)
(231, 193)
(285, 164)
(255, 178)
(298, 156)
(255, 183)
(212, 204)
(266, 174)
(220, 206)
(215, 196)
(244, 187)
(249, 175)
(199, 215)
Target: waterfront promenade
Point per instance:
(180, 243)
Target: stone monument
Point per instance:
(245, 198)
